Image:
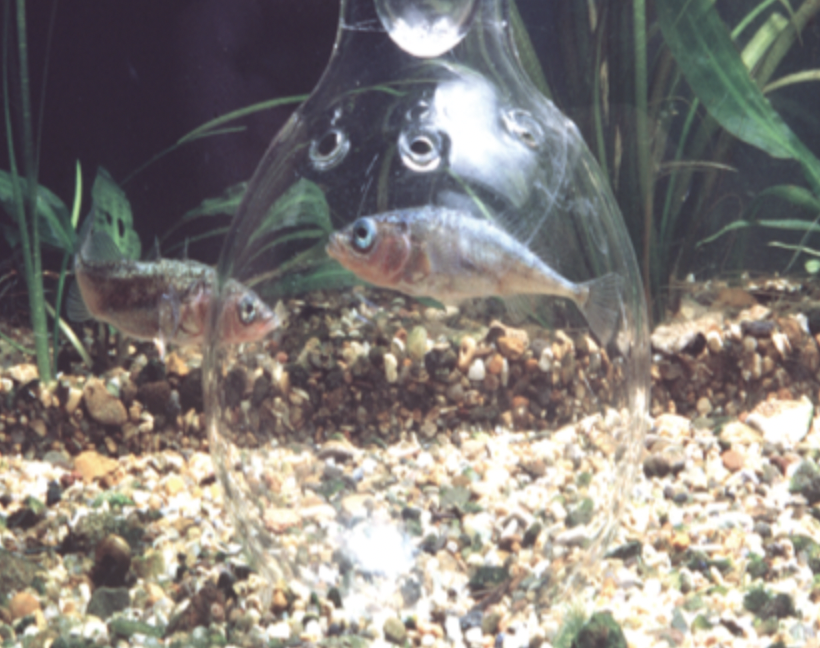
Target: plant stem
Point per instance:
(16, 345)
(642, 137)
(71, 337)
(34, 267)
(784, 42)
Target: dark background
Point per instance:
(125, 80)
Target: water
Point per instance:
(405, 457)
(398, 449)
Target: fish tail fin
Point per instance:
(75, 305)
(603, 304)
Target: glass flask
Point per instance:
(450, 416)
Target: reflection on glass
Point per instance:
(458, 414)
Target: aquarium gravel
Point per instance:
(114, 529)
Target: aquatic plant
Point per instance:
(38, 217)
(226, 203)
(663, 96)
(26, 196)
(734, 97)
(666, 91)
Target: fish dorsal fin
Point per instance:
(75, 305)
(83, 234)
(100, 247)
(154, 253)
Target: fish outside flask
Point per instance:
(166, 300)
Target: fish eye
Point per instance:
(246, 309)
(364, 234)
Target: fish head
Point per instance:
(374, 248)
(245, 317)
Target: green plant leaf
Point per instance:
(111, 212)
(53, 218)
(303, 205)
(790, 79)
(224, 204)
(704, 50)
(323, 274)
(762, 40)
(78, 197)
(797, 248)
(526, 52)
(794, 194)
(792, 224)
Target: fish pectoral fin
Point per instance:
(75, 305)
(168, 316)
(520, 307)
(161, 346)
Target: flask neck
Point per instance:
(377, 36)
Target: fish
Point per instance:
(451, 256)
(164, 300)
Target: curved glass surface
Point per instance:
(455, 403)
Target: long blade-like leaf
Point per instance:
(791, 224)
(790, 79)
(707, 56)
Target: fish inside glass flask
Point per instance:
(166, 300)
(451, 256)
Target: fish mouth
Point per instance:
(334, 246)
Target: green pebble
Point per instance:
(122, 627)
(601, 631)
(755, 600)
(149, 566)
(394, 631)
(417, 343)
(693, 603)
(701, 623)
(757, 567)
(489, 623)
(679, 621)
(36, 506)
(581, 514)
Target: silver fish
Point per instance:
(451, 256)
(164, 300)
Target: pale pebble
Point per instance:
(391, 366)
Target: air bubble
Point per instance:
(524, 127)
(420, 151)
(328, 150)
(426, 28)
